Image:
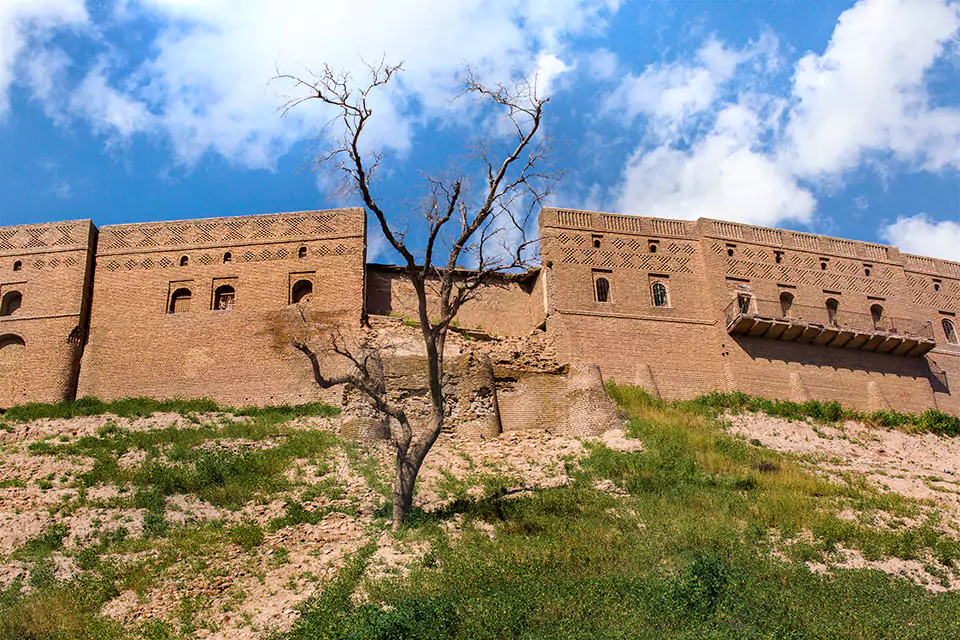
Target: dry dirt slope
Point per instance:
(221, 526)
(227, 566)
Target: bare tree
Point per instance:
(487, 226)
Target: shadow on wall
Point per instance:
(834, 358)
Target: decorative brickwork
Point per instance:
(682, 308)
(899, 359)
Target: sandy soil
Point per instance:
(920, 466)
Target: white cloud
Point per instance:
(721, 176)
(866, 93)
(713, 154)
(921, 235)
(602, 64)
(669, 94)
(205, 85)
(21, 20)
(109, 111)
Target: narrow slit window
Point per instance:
(833, 311)
(949, 331)
(786, 303)
(876, 313)
(603, 290)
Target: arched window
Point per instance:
(743, 303)
(17, 265)
(823, 266)
(876, 312)
(180, 301)
(786, 303)
(653, 247)
(227, 257)
(11, 349)
(11, 303)
(302, 252)
(223, 298)
(660, 295)
(302, 290)
(833, 308)
(184, 261)
(949, 331)
(603, 290)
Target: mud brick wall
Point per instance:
(510, 307)
(145, 343)
(47, 268)
(683, 349)
(108, 295)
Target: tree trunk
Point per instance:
(404, 479)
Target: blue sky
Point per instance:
(831, 117)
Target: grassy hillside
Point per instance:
(698, 535)
(695, 546)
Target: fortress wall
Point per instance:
(48, 267)
(685, 350)
(668, 349)
(511, 307)
(138, 347)
(934, 286)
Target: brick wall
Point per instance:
(510, 307)
(47, 268)
(683, 349)
(668, 287)
(137, 347)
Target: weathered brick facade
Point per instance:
(44, 299)
(144, 342)
(882, 346)
(680, 307)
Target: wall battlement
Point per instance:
(681, 307)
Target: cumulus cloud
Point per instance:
(206, 84)
(669, 94)
(866, 93)
(723, 175)
(23, 20)
(723, 146)
(921, 235)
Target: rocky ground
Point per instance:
(235, 571)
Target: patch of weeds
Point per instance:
(44, 544)
(295, 513)
(248, 535)
(145, 407)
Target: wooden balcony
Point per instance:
(839, 330)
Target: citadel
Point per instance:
(682, 308)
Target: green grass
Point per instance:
(709, 540)
(143, 407)
(713, 404)
(686, 554)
